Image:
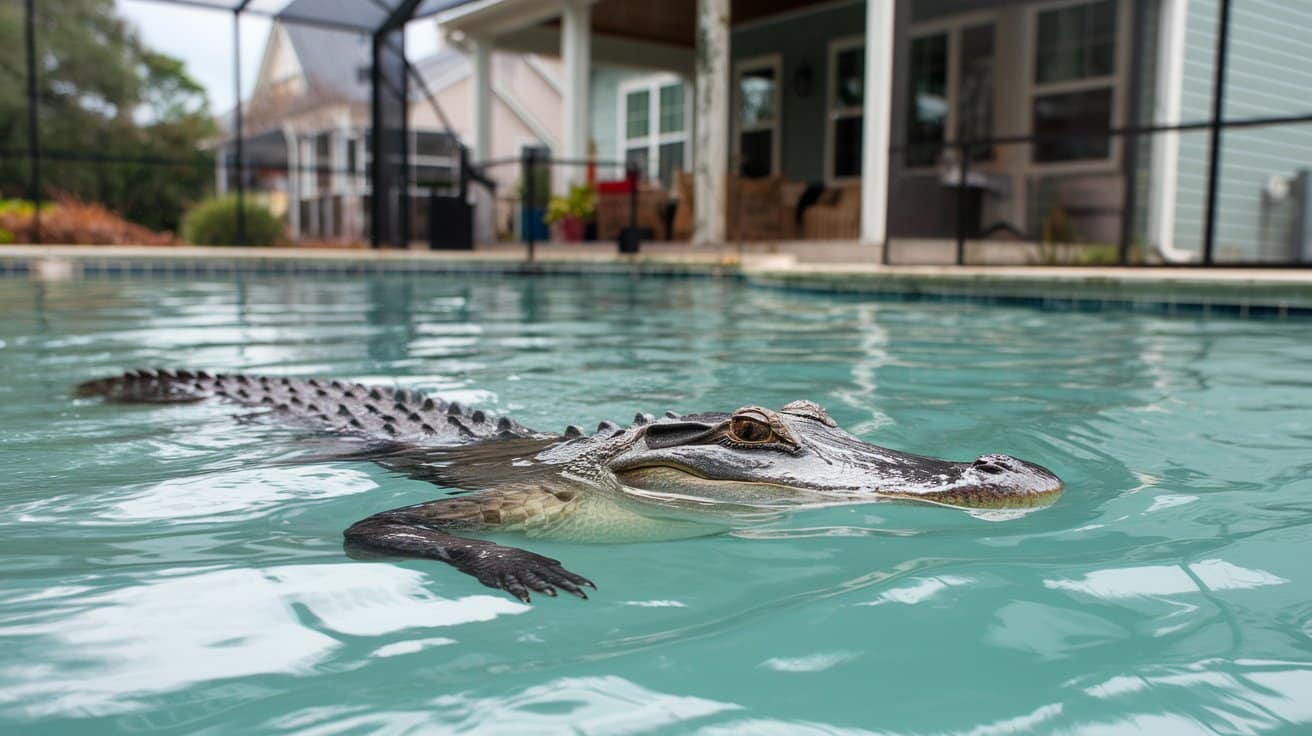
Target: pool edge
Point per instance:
(1232, 292)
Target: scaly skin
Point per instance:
(665, 478)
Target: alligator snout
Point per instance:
(1005, 481)
(996, 465)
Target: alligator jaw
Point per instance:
(974, 497)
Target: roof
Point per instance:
(364, 15)
(346, 15)
(335, 63)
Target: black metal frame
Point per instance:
(389, 222)
(33, 129)
(1221, 61)
(384, 173)
(1130, 135)
(532, 164)
(383, 176)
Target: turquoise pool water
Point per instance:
(169, 570)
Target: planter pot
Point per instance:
(570, 229)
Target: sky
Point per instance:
(203, 40)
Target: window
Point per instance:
(654, 126)
(1074, 82)
(757, 93)
(951, 81)
(435, 163)
(1077, 42)
(928, 111)
(847, 87)
(975, 89)
(323, 162)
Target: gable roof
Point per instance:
(360, 13)
(335, 63)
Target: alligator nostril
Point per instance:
(993, 464)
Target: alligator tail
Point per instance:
(337, 406)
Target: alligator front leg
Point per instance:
(424, 531)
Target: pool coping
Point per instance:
(1243, 292)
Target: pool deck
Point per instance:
(833, 269)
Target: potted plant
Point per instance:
(570, 215)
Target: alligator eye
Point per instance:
(751, 431)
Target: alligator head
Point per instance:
(799, 455)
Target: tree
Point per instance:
(119, 123)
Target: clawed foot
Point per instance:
(518, 572)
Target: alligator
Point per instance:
(680, 475)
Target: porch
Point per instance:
(1007, 131)
(686, 47)
(797, 134)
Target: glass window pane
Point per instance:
(975, 103)
(672, 109)
(671, 160)
(1068, 115)
(436, 177)
(323, 157)
(847, 146)
(434, 144)
(756, 95)
(757, 152)
(850, 77)
(637, 156)
(1076, 42)
(637, 114)
(928, 111)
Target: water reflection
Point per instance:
(165, 572)
(101, 651)
(1156, 580)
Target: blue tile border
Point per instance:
(1172, 306)
(126, 267)
(903, 287)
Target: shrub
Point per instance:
(68, 221)
(214, 222)
(581, 204)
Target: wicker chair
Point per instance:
(613, 202)
(836, 216)
(756, 209)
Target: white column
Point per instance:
(482, 89)
(576, 53)
(712, 123)
(1171, 46)
(221, 170)
(293, 181)
(875, 130)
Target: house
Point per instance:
(1010, 126)
(307, 122)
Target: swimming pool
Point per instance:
(173, 570)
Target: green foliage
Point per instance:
(6, 237)
(214, 222)
(580, 204)
(105, 96)
(22, 207)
